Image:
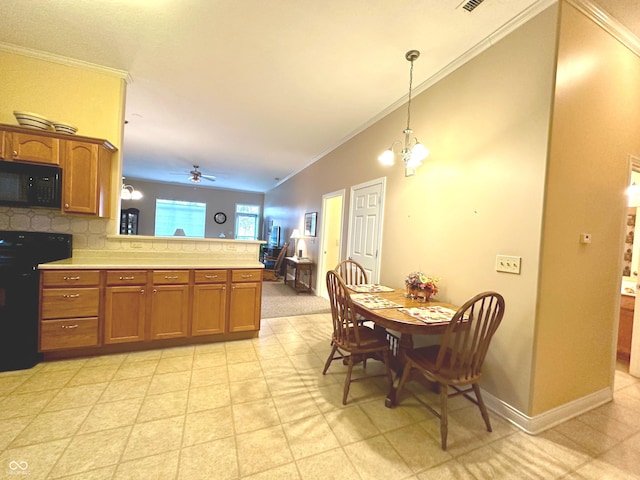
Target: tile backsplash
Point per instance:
(87, 232)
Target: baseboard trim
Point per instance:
(551, 418)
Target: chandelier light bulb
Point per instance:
(387, 157)
(419, 152)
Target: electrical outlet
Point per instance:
(508, 264)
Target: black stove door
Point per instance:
(18, 319)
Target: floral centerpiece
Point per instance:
(421, 286)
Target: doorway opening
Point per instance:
(628, 342)
(330, 237)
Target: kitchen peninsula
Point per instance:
(150, 292)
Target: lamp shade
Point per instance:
(179, 232)
(296, 234)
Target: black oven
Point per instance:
(30, 185)
(20, 254)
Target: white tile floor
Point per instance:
(261, 409)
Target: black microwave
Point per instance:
(30, 185)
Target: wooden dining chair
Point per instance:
(457, 361)
(350, 337)
(273, 265)
(351, 272)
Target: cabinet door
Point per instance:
(124, 314)
(169, 311)
(34, 148)
(80, 178)
(244, 311)
(209, 308)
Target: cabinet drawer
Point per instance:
(65, 278)
(246, 275)
(210, 276)
(70, 302)
(126, 277)
(170, 276)
(68, 333)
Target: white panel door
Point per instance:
(365, 226)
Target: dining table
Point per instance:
(388, 308)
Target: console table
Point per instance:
(302, 267)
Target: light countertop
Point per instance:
(147, 263)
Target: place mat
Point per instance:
(373, 301)
(433, 314)
(369, 288)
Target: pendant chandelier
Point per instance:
(129, 193)
(413, 152)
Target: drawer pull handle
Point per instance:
(142, 291)
(247, 275)
(70, 279)
(211, 276)
(171, 277)
(127, 278)
(71, 295)
(69, 326)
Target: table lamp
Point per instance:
(296, 236)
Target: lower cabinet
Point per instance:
(625, 327)
(209, 302)
(69, 309)
(82, 308)
(246, 300)
(169, 307)
(125, 306)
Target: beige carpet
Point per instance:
(280, 300)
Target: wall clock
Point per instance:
(220, 217)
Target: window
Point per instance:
(247, 220)
(176, 217)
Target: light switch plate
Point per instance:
(508, 264)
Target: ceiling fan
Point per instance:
(196, 175)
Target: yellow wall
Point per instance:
(479, 194)
(596, 125)
(91, 100)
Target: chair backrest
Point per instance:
(281, 255)
(346, 331)
(351, 272)
(466, 340)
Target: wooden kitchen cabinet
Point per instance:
(113, 308)
(245, 300)
(31, 147)
(209, 302)
(125, 306)
(69, 309)
(169, 304)
(86, 171)
(85, 163)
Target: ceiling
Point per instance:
(252, 91)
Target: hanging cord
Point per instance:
(409, 104)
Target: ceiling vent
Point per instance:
(471, 5)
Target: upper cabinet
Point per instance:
(85, 163)
(31, 147)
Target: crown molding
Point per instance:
(608, 23)
(71, 62)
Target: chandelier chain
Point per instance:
(409, 103)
